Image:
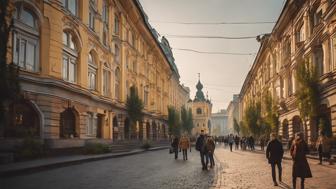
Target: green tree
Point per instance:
(174, 122)
(236, 126)
(252, 118)
(270, 122)
(308, 93)
(9, 81)
(190, 121)
(134, 106)
(184, 119)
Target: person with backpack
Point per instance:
(211, 145)
(202, 148)
(184, 145)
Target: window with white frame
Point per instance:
(70, 54)
(71, 5)
(91, 126)
(92, 73)
(105, 17)
(106, 81)
(25, 39)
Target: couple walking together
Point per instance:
(183, 144)
(298, 151)
(206, 146)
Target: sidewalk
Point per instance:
(20, 168)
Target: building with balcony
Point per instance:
(306, 29)
(78, 60)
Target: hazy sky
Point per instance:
(221, 75)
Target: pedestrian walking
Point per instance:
(274, 154)
(323, 146)
(252, 142)
(175, 145)
(262, 143)
(202, 148)
(184, 145)
(301, 167)
(231, 141)
(211, 150)
(236, 140)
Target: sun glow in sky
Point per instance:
(221, 75)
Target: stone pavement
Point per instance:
(151, 170)
(247, 170)
(11, 169)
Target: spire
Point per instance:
(199, 94)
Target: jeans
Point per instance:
(212, 161)
(204, 157)
(230, 146)
(185, 154)
(176, 152)
(279, 170)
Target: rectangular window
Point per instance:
(116, 24)
(91, 19)
(91, 126)
(65, 68)
(25, 52)
(70, 5)
(69, 69)
(92, 79)
(106, 82)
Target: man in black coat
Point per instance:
(201, 147)
(274, 154)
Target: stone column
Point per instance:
(326, 56)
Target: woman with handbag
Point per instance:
(301, 167)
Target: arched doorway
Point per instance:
(115, 128)
(68, 124)
(297, 124)
(285, 132)
(24, 121)
(148, 131)
(127, 129)
(154, 130)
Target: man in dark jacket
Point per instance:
(274, 154)
(202, 148)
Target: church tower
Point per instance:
(201, 109)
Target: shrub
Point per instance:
(96, 148)
(29, 148)
(146, 145)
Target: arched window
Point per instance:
(92, 14)
(105, 17)
(70, 58)
(106, 80)
(26, 39)
(199, 111)
(92, 72)
(117, 84)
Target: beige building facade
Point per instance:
(78, 60)
(306, 29)
(233, 113)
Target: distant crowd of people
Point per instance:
(298, 149)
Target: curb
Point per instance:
(47, 166)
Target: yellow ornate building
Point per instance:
(201, 111)
(78, 60)
(306, 29)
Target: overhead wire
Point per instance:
(215, 23)
(214, 52)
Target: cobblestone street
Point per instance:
(245, 170)
(148, 170)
